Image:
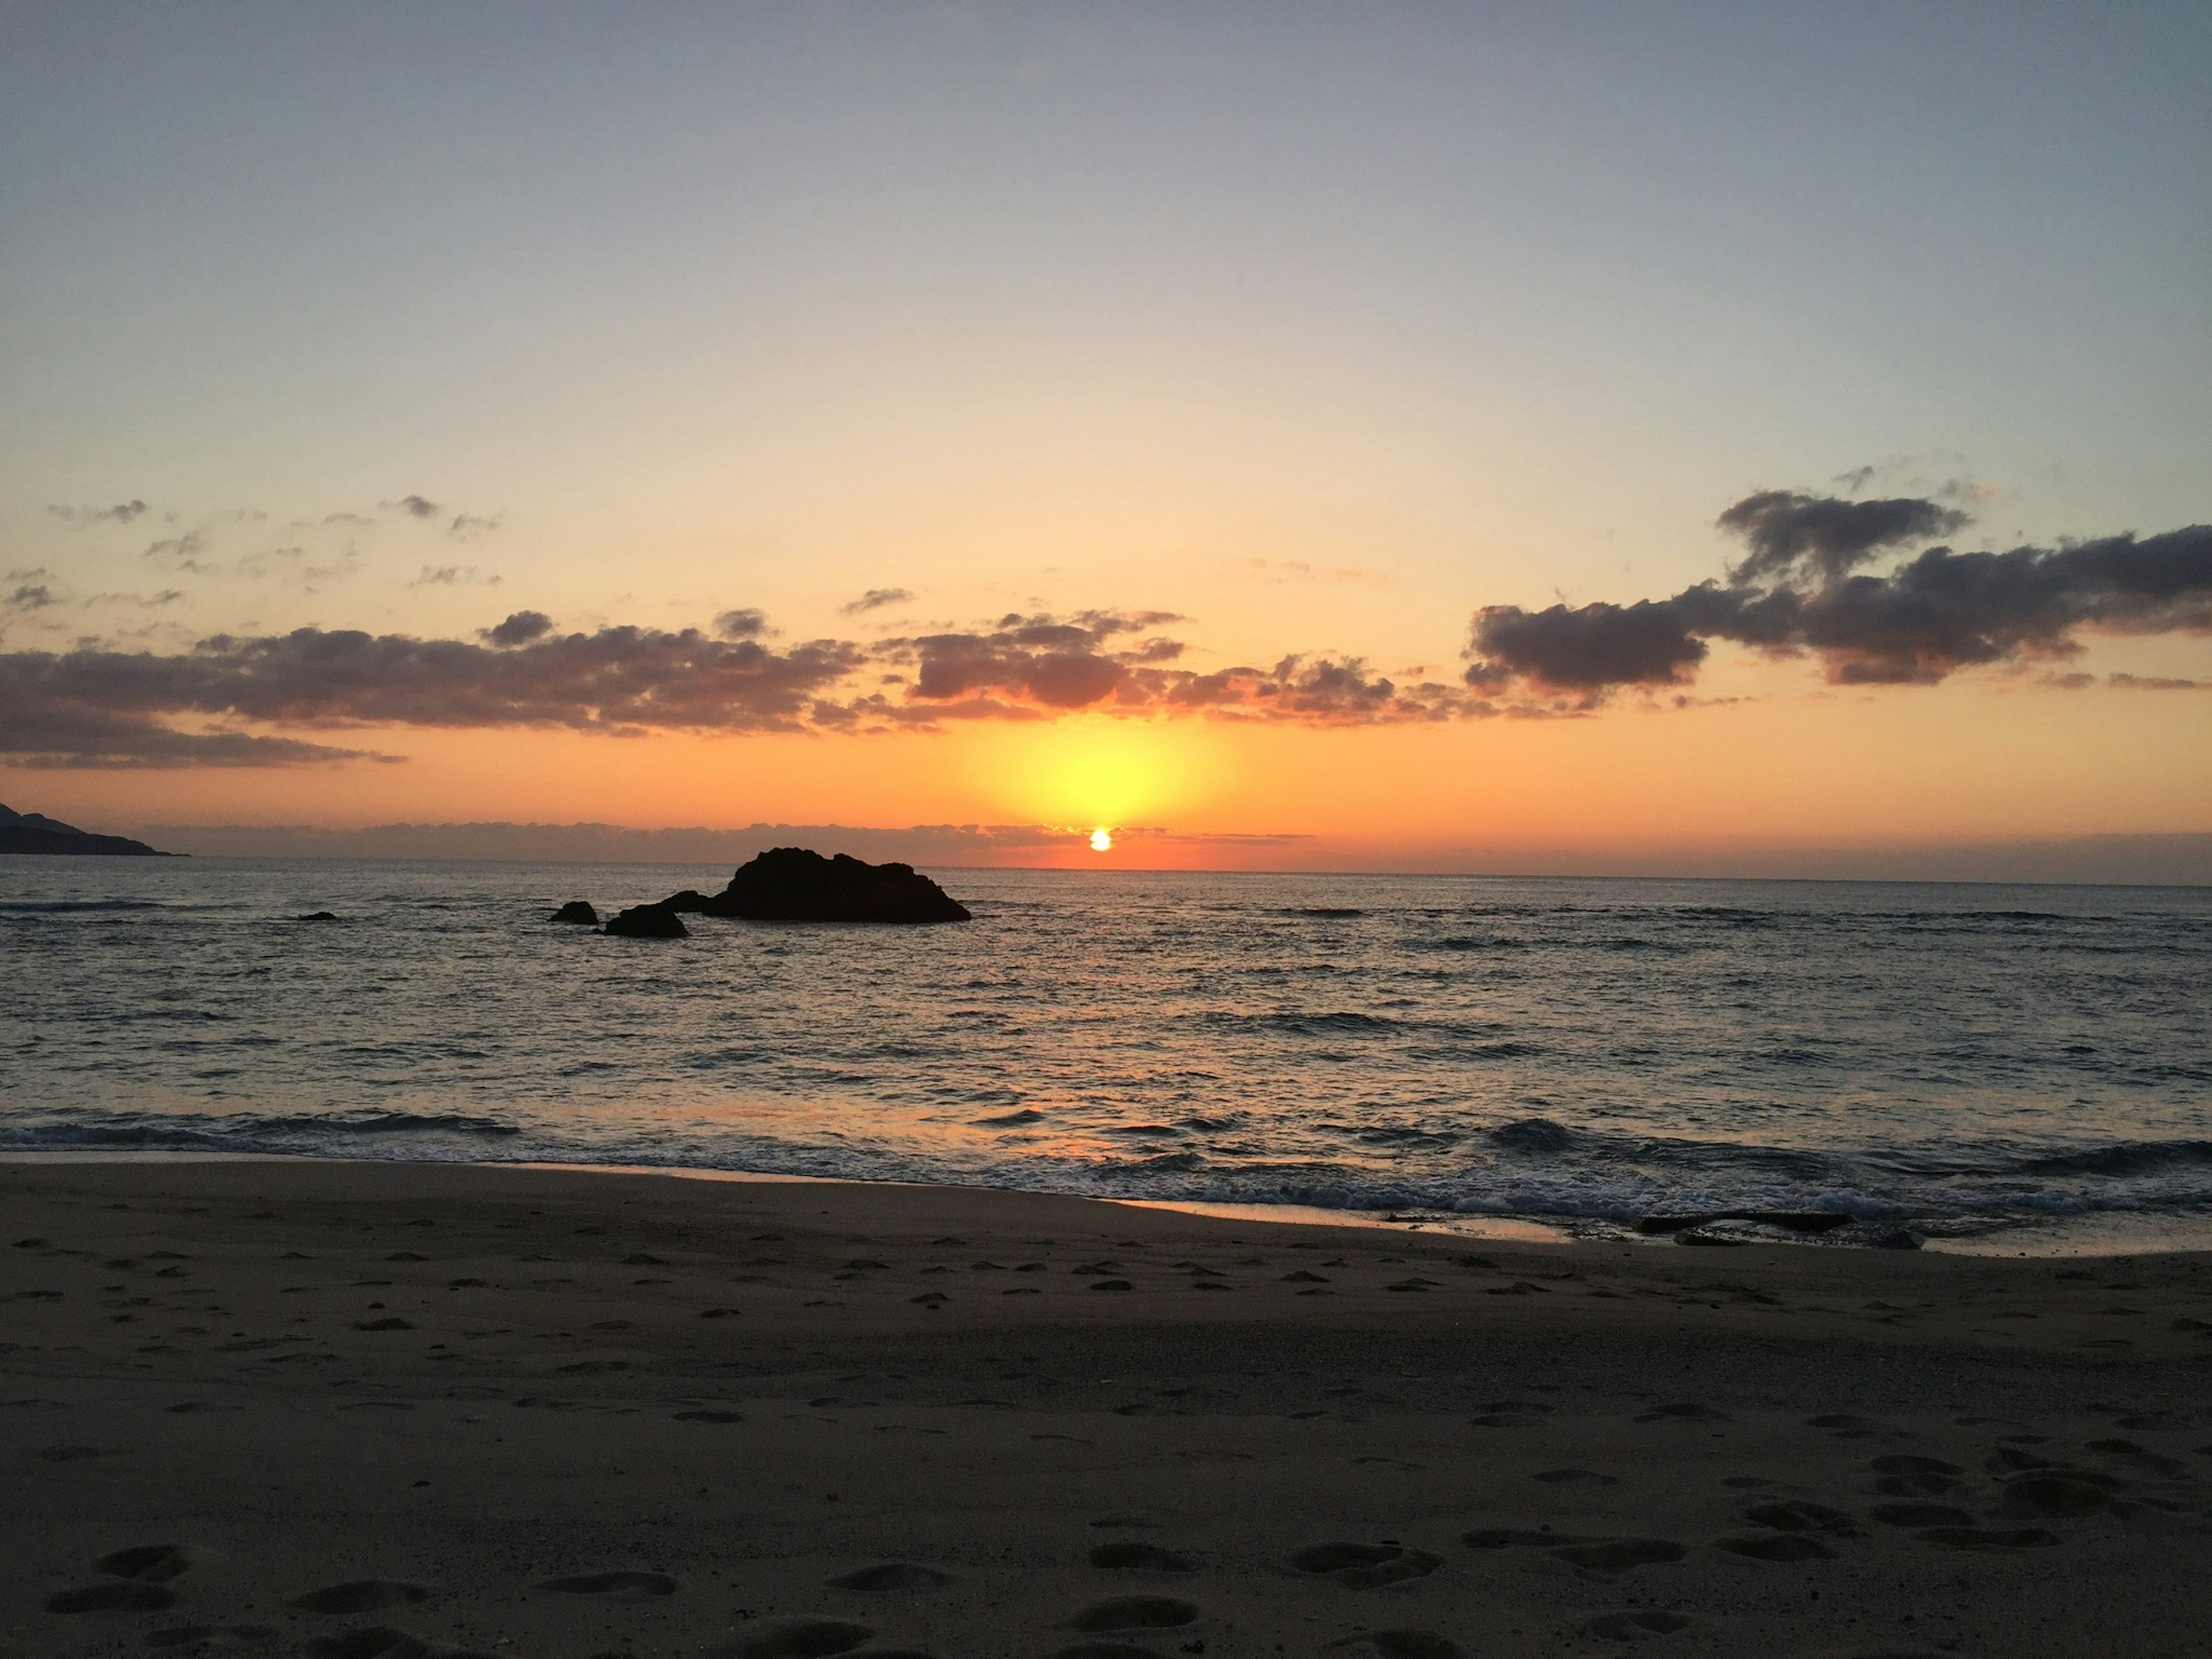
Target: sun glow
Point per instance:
(1102, 841)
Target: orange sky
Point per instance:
(1291, 341)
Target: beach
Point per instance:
(359, 1409)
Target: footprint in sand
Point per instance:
(1514, 1538)
(1364, 1566)
(1686, 1411)
(120, 1595)
(1800, 1515)
(1921, 1514)
(1632, 1626)
(1142, 1558)
(1403, 1644)
(1567, 1477)
(615, 1586)
(1989, 1538)
(1135, 1613)
(797, 1638)
(1903, 1475)
(152, 1563)
(1617, 1555)
(384, 1641)
(211, 1638)
(361, 1595)
(890, 1576)
(1783, 1547)
(2055, 1495)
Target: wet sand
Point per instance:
(371, 1411)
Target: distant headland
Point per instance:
(35, 832)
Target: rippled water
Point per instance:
(1950, 1056)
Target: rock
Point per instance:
(35, 832)
(690, 902)
(647, 922)
(578, 911)
(1904, 1238)
(791, 884)
(317, 915)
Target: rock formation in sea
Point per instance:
(35, 832)
(647, 922)
(792, 883)
(578, 911)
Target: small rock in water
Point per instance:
(316, 915)
(577, 911)
(647, 922)
(792, 883)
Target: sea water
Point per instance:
(2020, 1063)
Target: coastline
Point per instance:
(464, 1382)
(2060, 1236)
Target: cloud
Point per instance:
(183, 551)
(419, 507)
(874, 600)
(467, 526)
(521, 628)
(121, 513)
(1939, 612)
(447, 575)
(1031, 665)
(1793, 536)
(746, 625)
(28, 597)
(96, 706)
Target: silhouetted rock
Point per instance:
(317, 915)
(690, 902)
(647, 922)
(791, 884)
(578, 911)
(35, 832)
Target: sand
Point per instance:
(359, 1410)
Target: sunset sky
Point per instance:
(1074, 414)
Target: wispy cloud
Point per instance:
(454, 576)
(120, 513)
(876, 599)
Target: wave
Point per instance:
(1338, 1022)
(62, 906)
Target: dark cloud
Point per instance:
(121, 513)
(419, 507)
(29, 597)
(747, 623)
(1028, 665)
(183, 551)
(1937, 613)
(97, 707)
(446, 575)
(1792, 535)
(520, 629)
(467, 526)
(875, 600)
(1045, 661)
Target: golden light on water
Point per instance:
(1102, 841)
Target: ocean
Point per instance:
(2012, 1067)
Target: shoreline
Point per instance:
(2089, 1235)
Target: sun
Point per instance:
(1102, 841)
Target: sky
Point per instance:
(1397, 432)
